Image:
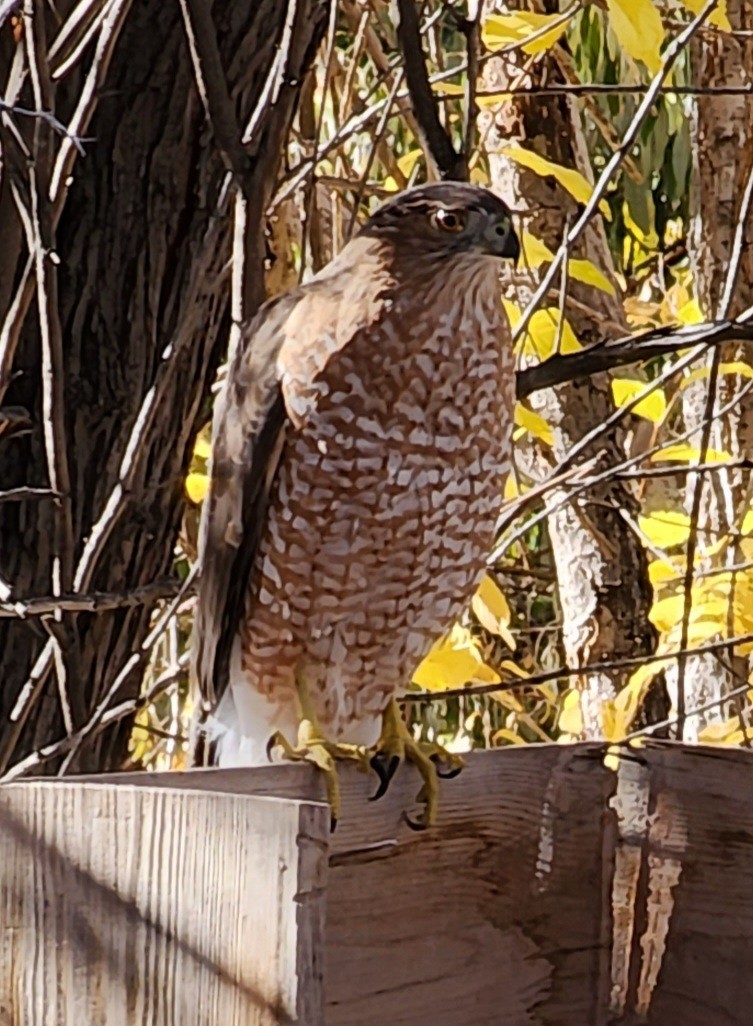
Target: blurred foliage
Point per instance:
(355, 142)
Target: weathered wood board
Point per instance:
(122, 906)
(553, 892)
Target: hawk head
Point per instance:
(447, 218)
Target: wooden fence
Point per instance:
(553, 891)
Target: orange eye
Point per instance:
(452, 221)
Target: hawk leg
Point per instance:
(396, 745)
(312, 746)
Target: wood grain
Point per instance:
(126, 906)
(553, 892)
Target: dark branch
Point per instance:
(632, 349)
(212, 86)
(437, 142)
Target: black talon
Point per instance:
(450, 774)
(270, 748)
(332, 824)
(385, 773)
(414, 824)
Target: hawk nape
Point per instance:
(359, 446)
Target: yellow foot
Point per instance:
(395, 746)
(313, 747)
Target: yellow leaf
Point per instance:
(571, 718)
(683, 453)
(533, 424)
(742, 370)
(408, 161)
(665, 527)
(747, 525)
(454, 661)
(661, 572)
(719, 733)
(620, 712)
(573, 181)
(513, 311)
(589, 274)
(504, 734)
(196, 487)
(500, 30)
(536, 253)
(653, 407)
(637, 25)
(542, 333)
(202, 448)
(717, 17)
(667, 612)
(490, 608)
(690, 313)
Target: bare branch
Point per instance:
(94, 602)
(212, 86)
(565, 672)
(437, 142)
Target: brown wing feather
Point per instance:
(247, 440)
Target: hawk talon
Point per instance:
(384, 772)
(448, 774)
(417, 825)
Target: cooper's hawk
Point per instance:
(358, 451)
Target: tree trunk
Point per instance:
(601, 567)
(143, 246)
(722, 129)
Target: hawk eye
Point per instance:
(452, 221)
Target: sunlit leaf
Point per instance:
(505, 734)
(202, 448)
(682, 453)
(533, 424)
(718, 16)
(653, 407)
(665, 528)
(571, 717)
(747, 525)
(500, 30)
(408, 161)
(544, 336)
(690, 313)
(536, 253)
(196, 487)
(638, 28)
(736, 367)
(661, 572)
(454, 661)
(571, 180)
(587, 272)
(490, 607)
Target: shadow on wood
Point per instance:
(553, 891)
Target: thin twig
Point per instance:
(670, 56)
(547, 676)
(94, 602)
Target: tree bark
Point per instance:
(722, 145)
(143, 248)
(601, 567)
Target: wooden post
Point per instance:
(553, 890)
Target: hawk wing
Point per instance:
(248, 436)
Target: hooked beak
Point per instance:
(501, 242)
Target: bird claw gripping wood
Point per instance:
(313, 747)
(395, 746)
